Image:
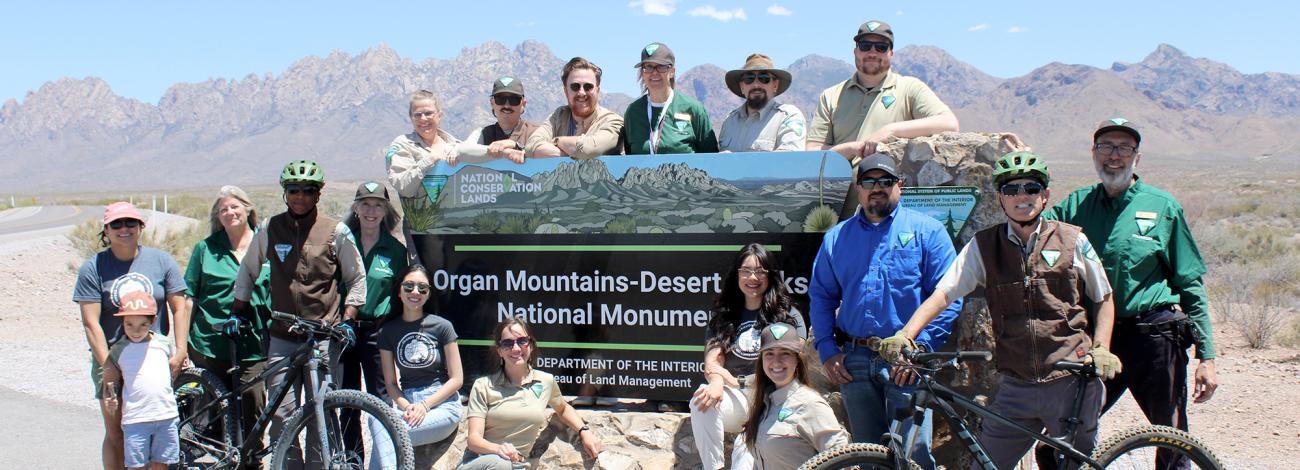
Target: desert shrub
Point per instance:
(620, 224)
(1262, 321)
(521, 223)
(487, 222)
(820, 219)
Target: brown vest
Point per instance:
(1035, 307)
(305, 279)
(493, 132)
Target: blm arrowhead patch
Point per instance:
(871, 26)
(282, 250)
(505, 81)
(778, 331)
(1050, 256)
(372, 186)
(537, 389)
(783, 414)
(1145, 226)
(650, 50)
(1119, 121)
(905, 237)
(887, 100)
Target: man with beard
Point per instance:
(761, 124)
(581, 129)
(510, 133)
(1035, 274)
(876, 268)
(1155, 269)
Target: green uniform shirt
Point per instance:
(385, 262)
(1147, 249)
(686, 128)
(210, 282)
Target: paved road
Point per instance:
(40, 218)
(41, 433)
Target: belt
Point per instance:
(872, 343)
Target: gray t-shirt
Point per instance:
(740, 356)
(105, 279)
(417, 348)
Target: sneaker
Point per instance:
(672, 407)
(583, 401)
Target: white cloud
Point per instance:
(1017, 29)
(654, 7)
(978, 27)
(778, 10)
(720, 15)
(898, 13)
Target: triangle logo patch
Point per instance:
(1119, 121)
(783, 414)
(873, 25)
(1050, 256)
(779, 330)
(537, 389)
(650, 50)
(1145, 226)
(372, 186)
(905, 237)
(506, 81)
(282, 250)
(887, 100)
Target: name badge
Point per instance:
(1146, 215)
(682, 116)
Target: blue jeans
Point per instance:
(441, 421)
(871, 398)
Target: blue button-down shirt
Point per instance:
(877, 275)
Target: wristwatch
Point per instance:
(584, 427)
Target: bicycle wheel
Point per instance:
(299, 432)
(856, 455)
(207, 422)
(1139, 448)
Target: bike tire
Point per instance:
(1136, 448)
(207, 437)
(334, 401)
(856, 455)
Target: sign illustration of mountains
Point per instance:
(656, 194)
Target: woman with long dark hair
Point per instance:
(752, 297)
(789, 422)
(507, 409)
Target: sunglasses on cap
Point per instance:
(522, 342)
(866, 46)
(1030, 188)
(762, 77)
(576, 87)
(507, 99)
(305, 189)
(883, 181)
(412, 286)
(128, 223)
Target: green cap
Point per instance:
(656, 53)
(877, 27)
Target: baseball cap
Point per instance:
(508, 85)
(371, 189)
(121, 210)
(876, 27)
(1117, 124)
(878, 161)
(656, 53)
(780, 335)
(137, 303)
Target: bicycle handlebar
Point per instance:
(959, 356)
(310, 327)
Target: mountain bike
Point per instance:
(211, 427)
(1134, 448)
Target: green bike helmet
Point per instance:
(1020, 165)
(302, 171)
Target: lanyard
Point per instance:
(656, 129)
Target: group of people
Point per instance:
(886, 279)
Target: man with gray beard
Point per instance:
(761, 124)
(1155, 269)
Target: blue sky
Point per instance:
(143, 47)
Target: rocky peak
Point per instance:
(956, 82)
(673, 175)
(574, 175)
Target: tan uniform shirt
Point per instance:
(408, 160)
(776, 127)
(796, 426)
(514, 414)
(601, 132)
(850, 111)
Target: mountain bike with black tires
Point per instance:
(1130, 449)
(211, 427)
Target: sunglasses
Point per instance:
(1121, 150)
(304, 189)
(749, 78)
(522, 342)
(576, 87)
(656, 68)
(1031, 189)
(883, 181)
(119, 223)
(507, 99)
(412, 286)
(865, 46)
(423, 114)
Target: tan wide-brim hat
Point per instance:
(758, 63)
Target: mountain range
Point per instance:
(342, 109)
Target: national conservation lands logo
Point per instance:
(417, 350)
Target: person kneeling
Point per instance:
(789, 422)
(1034, 272)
